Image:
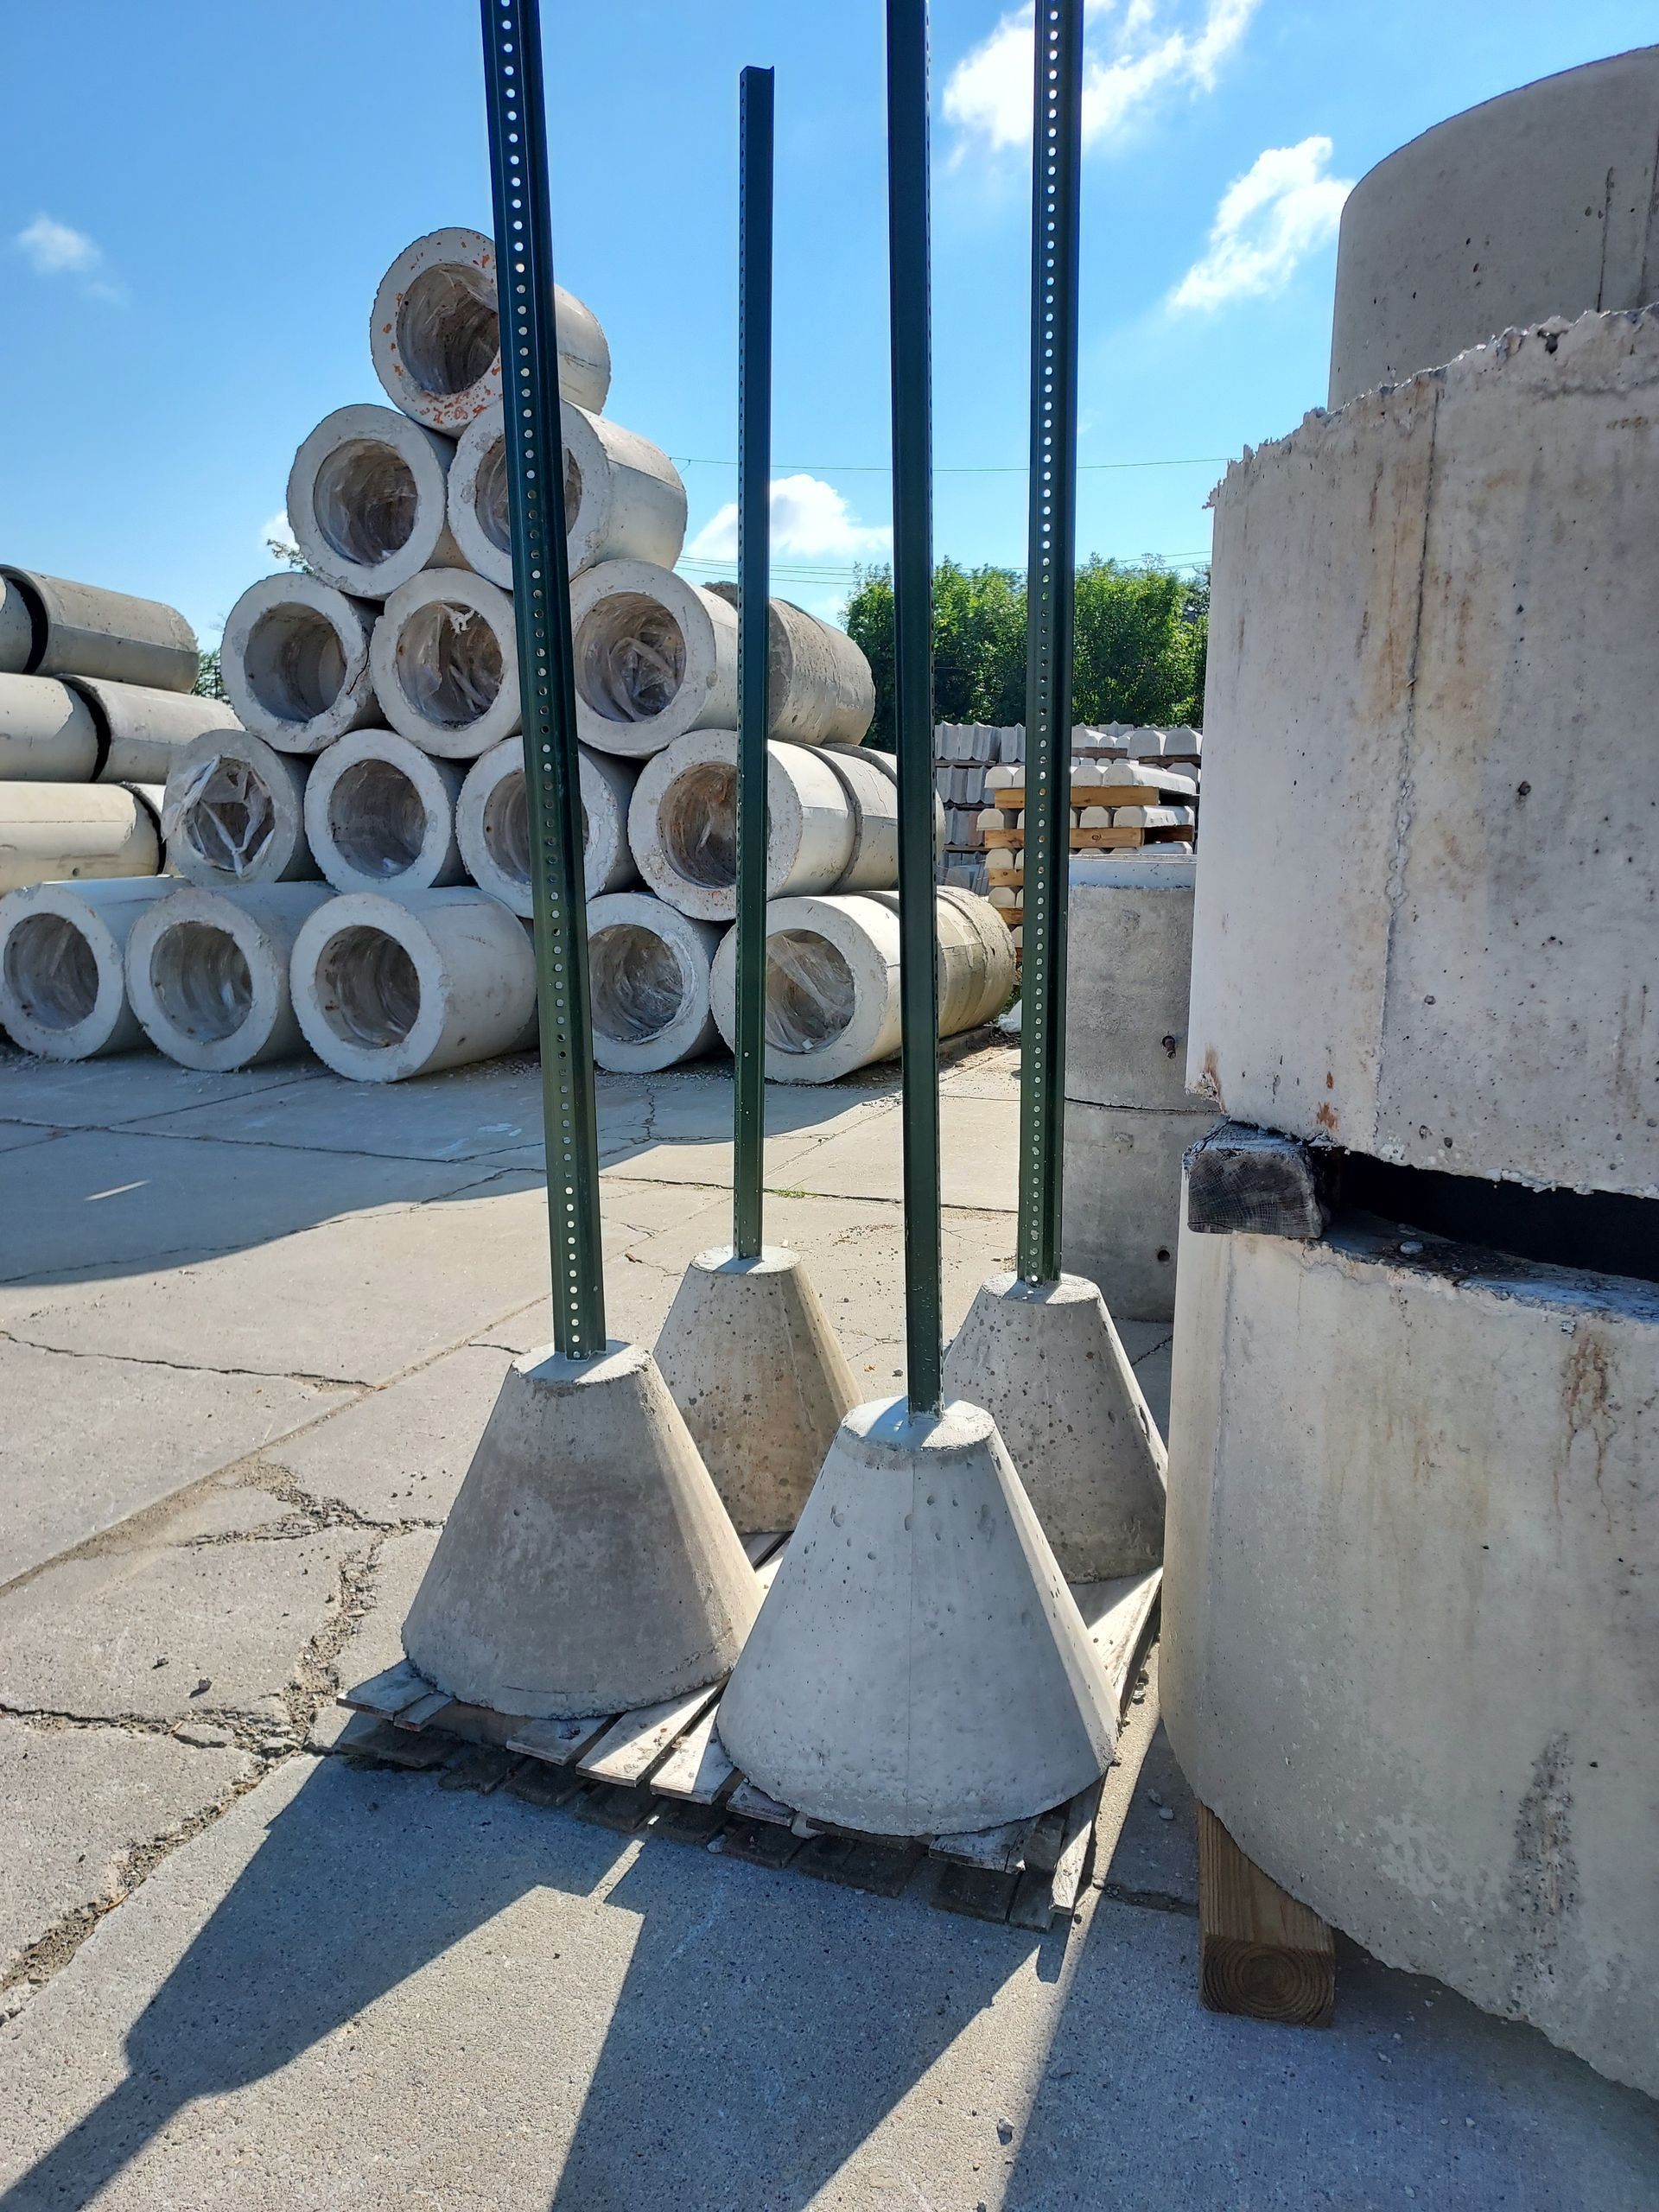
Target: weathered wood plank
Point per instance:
(763, 1843)
(389, 1693)
(697, 1769)
(638, 1743)
(998, 1850)
(1260, 1953)
(974, 1891)
(393, 1746)
(558, 1742)
(748, 1801)
(482, 1767)
(1240, 1178)
(415, 1717)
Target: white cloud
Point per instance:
(1284, 208)
(1132, 57)
(275, 538)
(55, 249)
(811, 521)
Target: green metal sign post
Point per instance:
(913, 595)
(1050, 609)
(753, 650)
(529, 392)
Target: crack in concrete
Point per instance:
(267, 1744)
(191, 1366)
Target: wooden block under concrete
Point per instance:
(1242, 1178)
(1260, 1953)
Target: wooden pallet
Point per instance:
(1132, 791)
(664, 1771)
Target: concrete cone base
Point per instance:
(1047, 1365)
(919, 1666)
(586, 1565)
(756, 1369)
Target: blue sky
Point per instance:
(197, 201)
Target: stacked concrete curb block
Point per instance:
(1128, 1118)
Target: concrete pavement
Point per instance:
(249, 1328)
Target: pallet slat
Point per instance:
(387, 1693)
(636, 1743)
(560, 1743)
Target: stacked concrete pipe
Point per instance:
(384, 989)
(234, 812)
(380, 814)
(435, 335)
(623, 496)
(493, 823)
(50, 627)
(295, 660)
(649, 976)
(207, 973)
(832, 979)
(445, 663)
(368, 501)
(655, 657)
(822, 690)
(63, 983)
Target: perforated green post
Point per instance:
(754, 649)
(530, 393)
(1050, 611)
(913, 596)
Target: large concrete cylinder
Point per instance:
(1411, 1608)
(1450, 963)
(380, 814)
(649, 978)
(63, 983)
(47, 733)
(682, 824)
(493, 823)
(820, 686)
(142, 732)
(832, 979)
(81, 629)
(623, 496)
(234, 812)
(207, 973)
(387, 988)
(445, 659)
(294, 658)
(51, 833)
(656, 657)
(1536, 204)
(1128, 1118)
(368, 500)
(435, 335)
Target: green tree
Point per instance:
(1141, 630)
(210, 682)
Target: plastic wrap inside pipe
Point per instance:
(810, 991)
(450, 677)
(229, 811)
(635, 983)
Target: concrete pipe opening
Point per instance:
(377, 819)
(449, 664)
(696, 824)
(52, 972)
(448, 332)
(201, 980)
(810, 993)
(293, 662)
(506, 827)
(368, 990)
(630, 657)
(228, 825)
(635, 985)
(365, 499)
